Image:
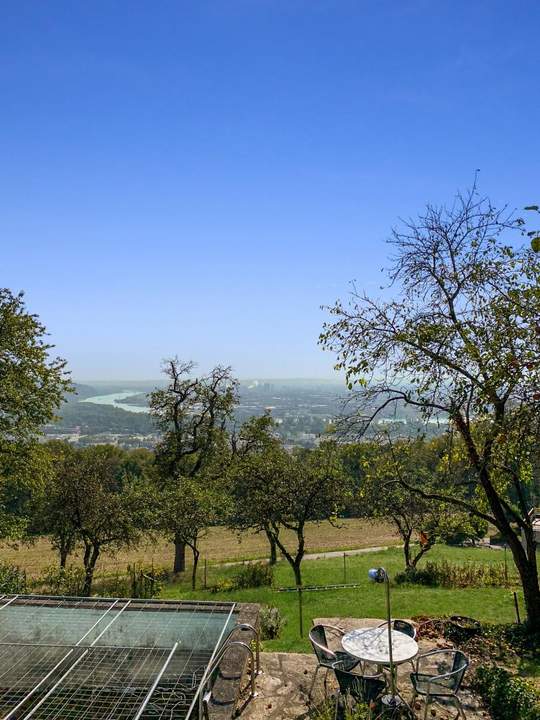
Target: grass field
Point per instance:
(220, 545)
(489, 604)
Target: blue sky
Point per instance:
(198, 177)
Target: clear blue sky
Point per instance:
(198, 177)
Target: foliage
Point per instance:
(534, 235)
(381, 467)
(271, 622)
(12, 579)
(63, 580)
(97, 496)
(509, 697)
(327, 711)
(33, 383)
(184, 512)
(273, 490)
(450, 574)
(253, 575)
(463, 328)
(191, 414)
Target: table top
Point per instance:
(371, 645)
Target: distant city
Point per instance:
(117, 412)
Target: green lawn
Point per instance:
(490, 604)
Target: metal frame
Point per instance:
(74, 676)
(452, 695)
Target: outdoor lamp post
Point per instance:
(379, 575)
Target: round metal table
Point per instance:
(371, 645)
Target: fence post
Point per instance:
(300, 611)
(516, 605)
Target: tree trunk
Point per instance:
(407, 549)
(179, 555)
(89, 566)
(525, 560)
(273, 548)
(194, 570)
(297, 572)
(64, 553)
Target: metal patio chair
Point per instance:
(403, 626)
(440, 685)
(326, 658)
(361, 688)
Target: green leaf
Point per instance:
(533, 207)
(535, 244)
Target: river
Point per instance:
(113, 398)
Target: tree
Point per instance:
(105, 504)
(49, 505)
(192, 415)
(256, 443)
(185, 513)
(461, 339)
(274, 491)
(32, 386)
(381, 494)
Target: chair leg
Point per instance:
(337, 705)
(461, 711)
(325, 682)
(313, 682)
(426, 707)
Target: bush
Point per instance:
(253, 575)
(223, 585)
(271, 622)
(509, 697)
(63, 581)
(12, 579)
(456, 575)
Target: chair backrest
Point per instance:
(405, 627)
(317, 638)
(459, 667)
(363, 688)
(456, 666)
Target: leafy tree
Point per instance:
(184, 513)
(461, 338)
(49, 504)
(274, 491)
(192, 414)
(105, 503)
(256, 443)
(381, 494)
(32, 387)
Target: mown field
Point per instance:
(220, 545)
(486, 603)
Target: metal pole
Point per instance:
(300, 611)
(389, 621)
(344, 568)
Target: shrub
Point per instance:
(271, 622)
(63, 581)
(12, 579)
(509, 697)
(253, 575)
(223, 585)
(456, 575)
